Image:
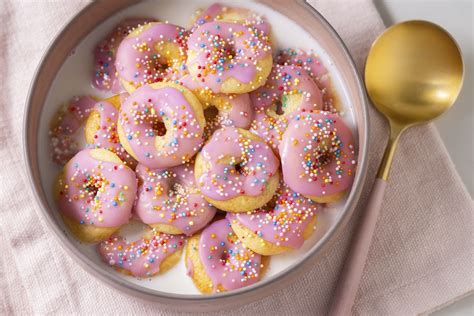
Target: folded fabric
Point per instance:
(421, 255)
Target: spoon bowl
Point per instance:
(414, 72)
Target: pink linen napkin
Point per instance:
(421, 256)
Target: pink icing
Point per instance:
(146, 106)
(225, 50)
(253, 163)
(313, 66)
(283, 80)
(170, 196)
(226, 261)
(270, 128)
(240, 111)
(143, 257)
(104, 77)
(285, 223)
(64, 145)
(318, 154)
(97, 192)
(250, 18)
(139, 63)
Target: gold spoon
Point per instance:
(413, 74)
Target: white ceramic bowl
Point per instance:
(64, 73)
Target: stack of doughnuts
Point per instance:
(215, 143)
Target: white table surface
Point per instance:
(456, 127)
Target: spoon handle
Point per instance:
(351, 274)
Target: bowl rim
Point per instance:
(121, 284)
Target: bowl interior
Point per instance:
(74, 79)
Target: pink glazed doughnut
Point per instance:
(288, 90)
(314, 67)
(318, 156)
(229, 57)
(95, 194)
(169, 201)
(281, 228)
(217, 261)
(161, 125)
(104, 76)
(150, 54)
(153, 254)
(64, 126)
(236, 170)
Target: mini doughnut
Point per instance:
(95, 194)
(314, 67)
(217, 261)
(169, 201)
(219, 12)
(161, 125)
(288, 90)
(281, 228)
(150, 54)
(104, 76)
(236, 170)
(64, 125)
(229, 57)
(233, 110)
(101, 129)
(318, 156)
(153, 254)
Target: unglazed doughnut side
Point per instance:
(88, 233)
(195, 267)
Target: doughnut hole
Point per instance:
(211, 113)
(321, 157)
(287, 104)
